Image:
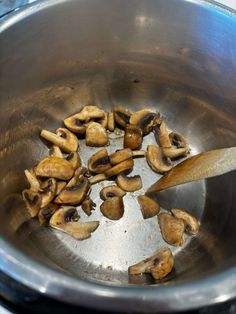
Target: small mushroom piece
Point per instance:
(54, 167)
(98, 178)
(75, 124)
(162, 135)
(159, 265)
(88, 205)
(111, 191)
(32, 201)
(63, 138)
(191, 223)
(60, 186)
(96, 135)
(90, 112)
(129, 184)
(157, 159)
(48, 191)
(178, 140)
(46, 213)
(144, 119)
(74, 159)
(124, 154)
(33, 181)
(174, 152)
(113, 208)
(64, 215)
(121, 167)
(121, 116)
(149, 207)
(133, 137)
(172, 229)
(99, 162)
(103, 121)
(110, 122)
(56, 152)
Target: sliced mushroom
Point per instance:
(149, 207)
(113, 208)
(54, 167)
(172, 229)
(46, 213)
(191, 223)
(133, 137)
(56, 151)
(96, 135)
(33, 181)
(60, 186)
(75, 124)
(178, 140)
(74, 159)
(99, 162)
(63, 138)
(48, 191)
(103, 121)
(32, 201)
(162, 135)
(64, 215)
(90, 112)
(174, 152)
(123, 154)
(159, 265)
(111, 191)
(157, 159)
(121, 167)
(88, 205)
(121, 116)
(144, 119)
(129, 184)
(111, 122)
(98, 178)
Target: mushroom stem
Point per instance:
(139, 153)
(33, 181)
(98, 178)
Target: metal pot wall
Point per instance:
(178, 57)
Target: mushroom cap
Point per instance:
(88, 205)
(75, 124)
(178, 140)
(96, 135)
(32, 201)
(74, 159)
(191, 223)
(90, 112)
(157, 160)
(46, 213)
(172, 229)
(54, 167)
(149, 207)
(129, 184)
(133, 136)
(60, 186)
(48, 191)
(64, 215)
(121, 167)
(113, 208)
(99, 162)
(120, 155)
(121, 116)
(144, 119)
(111, 191)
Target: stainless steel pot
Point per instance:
(176, 56)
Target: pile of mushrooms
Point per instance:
(59, 183)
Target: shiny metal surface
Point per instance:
(178, 57)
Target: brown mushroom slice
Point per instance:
(63, 138)
(129, 184)
(88, 205)
(33, 181)
(113, 208)
(98, 178)
(157, 159)
(133, 137)
(121, 116)
(144, 119)
(99, 162)
(46, 213)
(159, 265)
(60, 186)
(32, 201)
(121, 167)
(110, 122)
(191, 223)
(149, 207)
(55, 151)
(172, 229)
(123, 154)
(90, 113)
(96, 135)
(103, 121)
(75, 124)
(54, 167)
(48, 191)
(111, 191)
(178, 140)
(64, 215)
(74, 159)
(174, 152)
(162, 135)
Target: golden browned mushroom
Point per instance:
(111, 191)
(46, 213)
(159, 265)
(56, 152)
(121, 167)
(149, 207)
(88, 205)
(157, 160)
(48, 191)
(33, 181)
(103, 121)
(191, 223)
(144, 119)
(32, 201)
(60, 186)
(63, 138)
(98, 178)
(121, 116)
(54, 167)
(174, 152)
(129, 184)
(99, 162)
(178, 140)
(75, 124)
(123, 154)
(90, 113)
(113, 208)
(96, 135)
(111, 122)
(74, 159)
(172, 229)
(162, 135)
(133, 137)
(64, 215)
